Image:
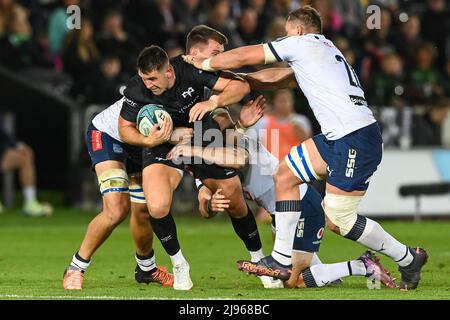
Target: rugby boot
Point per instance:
(267, 266)
(182, 279)
(73, 278)
(160, 276)
(34, 208)
(376, 270)
(411, 273)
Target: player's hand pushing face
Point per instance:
(195, 61)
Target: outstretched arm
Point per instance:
(233, 59)
(271, 79)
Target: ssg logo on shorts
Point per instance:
(351, 161)
(300, 227)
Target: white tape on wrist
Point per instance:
(206, 65)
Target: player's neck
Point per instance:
(172, 81)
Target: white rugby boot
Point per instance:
(182, 279)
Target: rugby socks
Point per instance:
(29, 193)
(315, 259)
(287, 214)
(320, 275)
(247, 230)
(370, 234)
(79, 263)
(146, 263)
(166, 231)
(255, 256)
(178, 258)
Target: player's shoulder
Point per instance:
(184, 69)
(135, 92)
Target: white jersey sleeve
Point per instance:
(107, 121)
(329, 83)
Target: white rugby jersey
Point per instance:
(329, 83)
(107, 121)
(258, 181)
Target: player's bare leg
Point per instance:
(22, 159)
(142, 233)
(116, 205)
(288, 201)
(243, 221)
(340, 208)
(159, 183)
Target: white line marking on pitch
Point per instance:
(19, 296)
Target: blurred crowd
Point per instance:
(405, 62)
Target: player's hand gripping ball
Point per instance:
(150, 115)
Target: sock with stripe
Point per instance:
(80, 263)
(287, 213)
(320, 275)
(146, 263)
(370, 234)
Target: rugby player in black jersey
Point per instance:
(179, 88)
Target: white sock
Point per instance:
(323, 274)
(78, 263)
(377, 239)
(146, 264)
(29, 193)
(286, 221)
(255, 256)
(178, 259)
(315, 259)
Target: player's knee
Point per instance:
(283, 178)
(332, 227)
(158, 209)
(341, 211)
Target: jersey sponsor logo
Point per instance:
(300, 228)
(96, 138)
(359, 101)
(320, 233)
(351, 162)
(130, 102)
(188, 92)
(117, 148)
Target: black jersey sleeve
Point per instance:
(206, 79)
(132, 101)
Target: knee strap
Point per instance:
(113, 180)
(341, 210)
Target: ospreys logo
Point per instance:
(188, 92)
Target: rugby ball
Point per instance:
(148, 116)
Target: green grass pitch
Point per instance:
(35, 251)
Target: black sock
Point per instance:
(166, 231)
(247, 230)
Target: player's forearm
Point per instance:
(234, 92)
(132, 136)
(271, 79)
(237, 58)
(225, 157)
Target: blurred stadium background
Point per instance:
(54, 80)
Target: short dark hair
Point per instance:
(152, 58)
(308, 17)
(201, 34)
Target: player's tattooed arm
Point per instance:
(159, 133)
